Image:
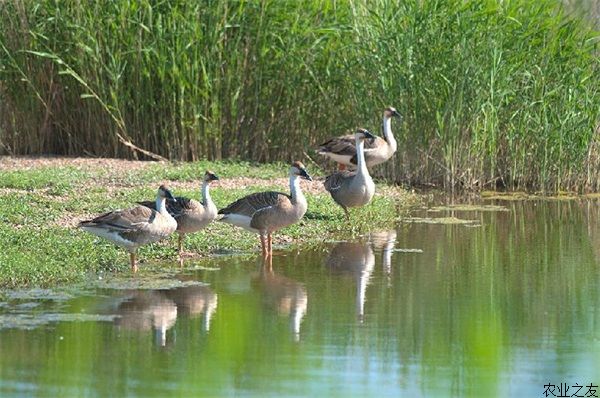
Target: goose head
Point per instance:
(298, 169)
(164, 193)
(210, 176)
(390, 112)
(363, 134)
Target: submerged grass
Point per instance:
(40, 244)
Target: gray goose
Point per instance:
(132, 228)
(377, 150)
(352, 188)
(267, 212)
(191, 215)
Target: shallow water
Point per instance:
(500, 306)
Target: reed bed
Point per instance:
(495, 94)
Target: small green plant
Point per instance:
(41, 245)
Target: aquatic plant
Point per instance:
(493, 93)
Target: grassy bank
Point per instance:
(41, 202)
(493, 93)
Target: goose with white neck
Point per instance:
(267, 212)
(134, 227)
(377, 150)
(191, 215)
(352, 188)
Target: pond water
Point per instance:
(504, 305)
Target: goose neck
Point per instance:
(360, 152)
(161, 205)
(295, 190)
(387, 132)
(206, 199)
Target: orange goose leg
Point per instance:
(134, 266)
(263, 245)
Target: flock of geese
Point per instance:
(262, 212)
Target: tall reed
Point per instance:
(493, 93)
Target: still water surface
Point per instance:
(498, 307)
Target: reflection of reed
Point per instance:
(355, 258)
(157, 310)
(287, 296)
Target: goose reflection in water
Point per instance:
(356, 259)
(148, 310)
(158, 309)
(194, 301)
(384, 241)
(287, 296)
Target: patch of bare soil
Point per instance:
(33, 162)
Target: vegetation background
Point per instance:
(500, 94)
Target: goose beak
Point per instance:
(396, 114)
(214, 177)
(305, 175)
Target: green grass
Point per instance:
(494, 93)
(40, 245)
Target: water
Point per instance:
(501, 306)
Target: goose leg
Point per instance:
(270, 241)
(180, 245)
(134, 266)
(347, 213)
(263, 245)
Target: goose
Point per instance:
(377, 150)
(352, 188)
(267, 212)
(134, 227)
(191, 215)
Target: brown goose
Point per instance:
(267, 212)
(377, 150)
(191, 215)
(352, 188)
(132, 228)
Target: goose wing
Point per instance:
(249, 205)
(134, 219)
(336, 180)
(343, 145)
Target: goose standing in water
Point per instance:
(267, 212)
(132, 228)
(352, 188)
(191, 215)
(377, 150)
